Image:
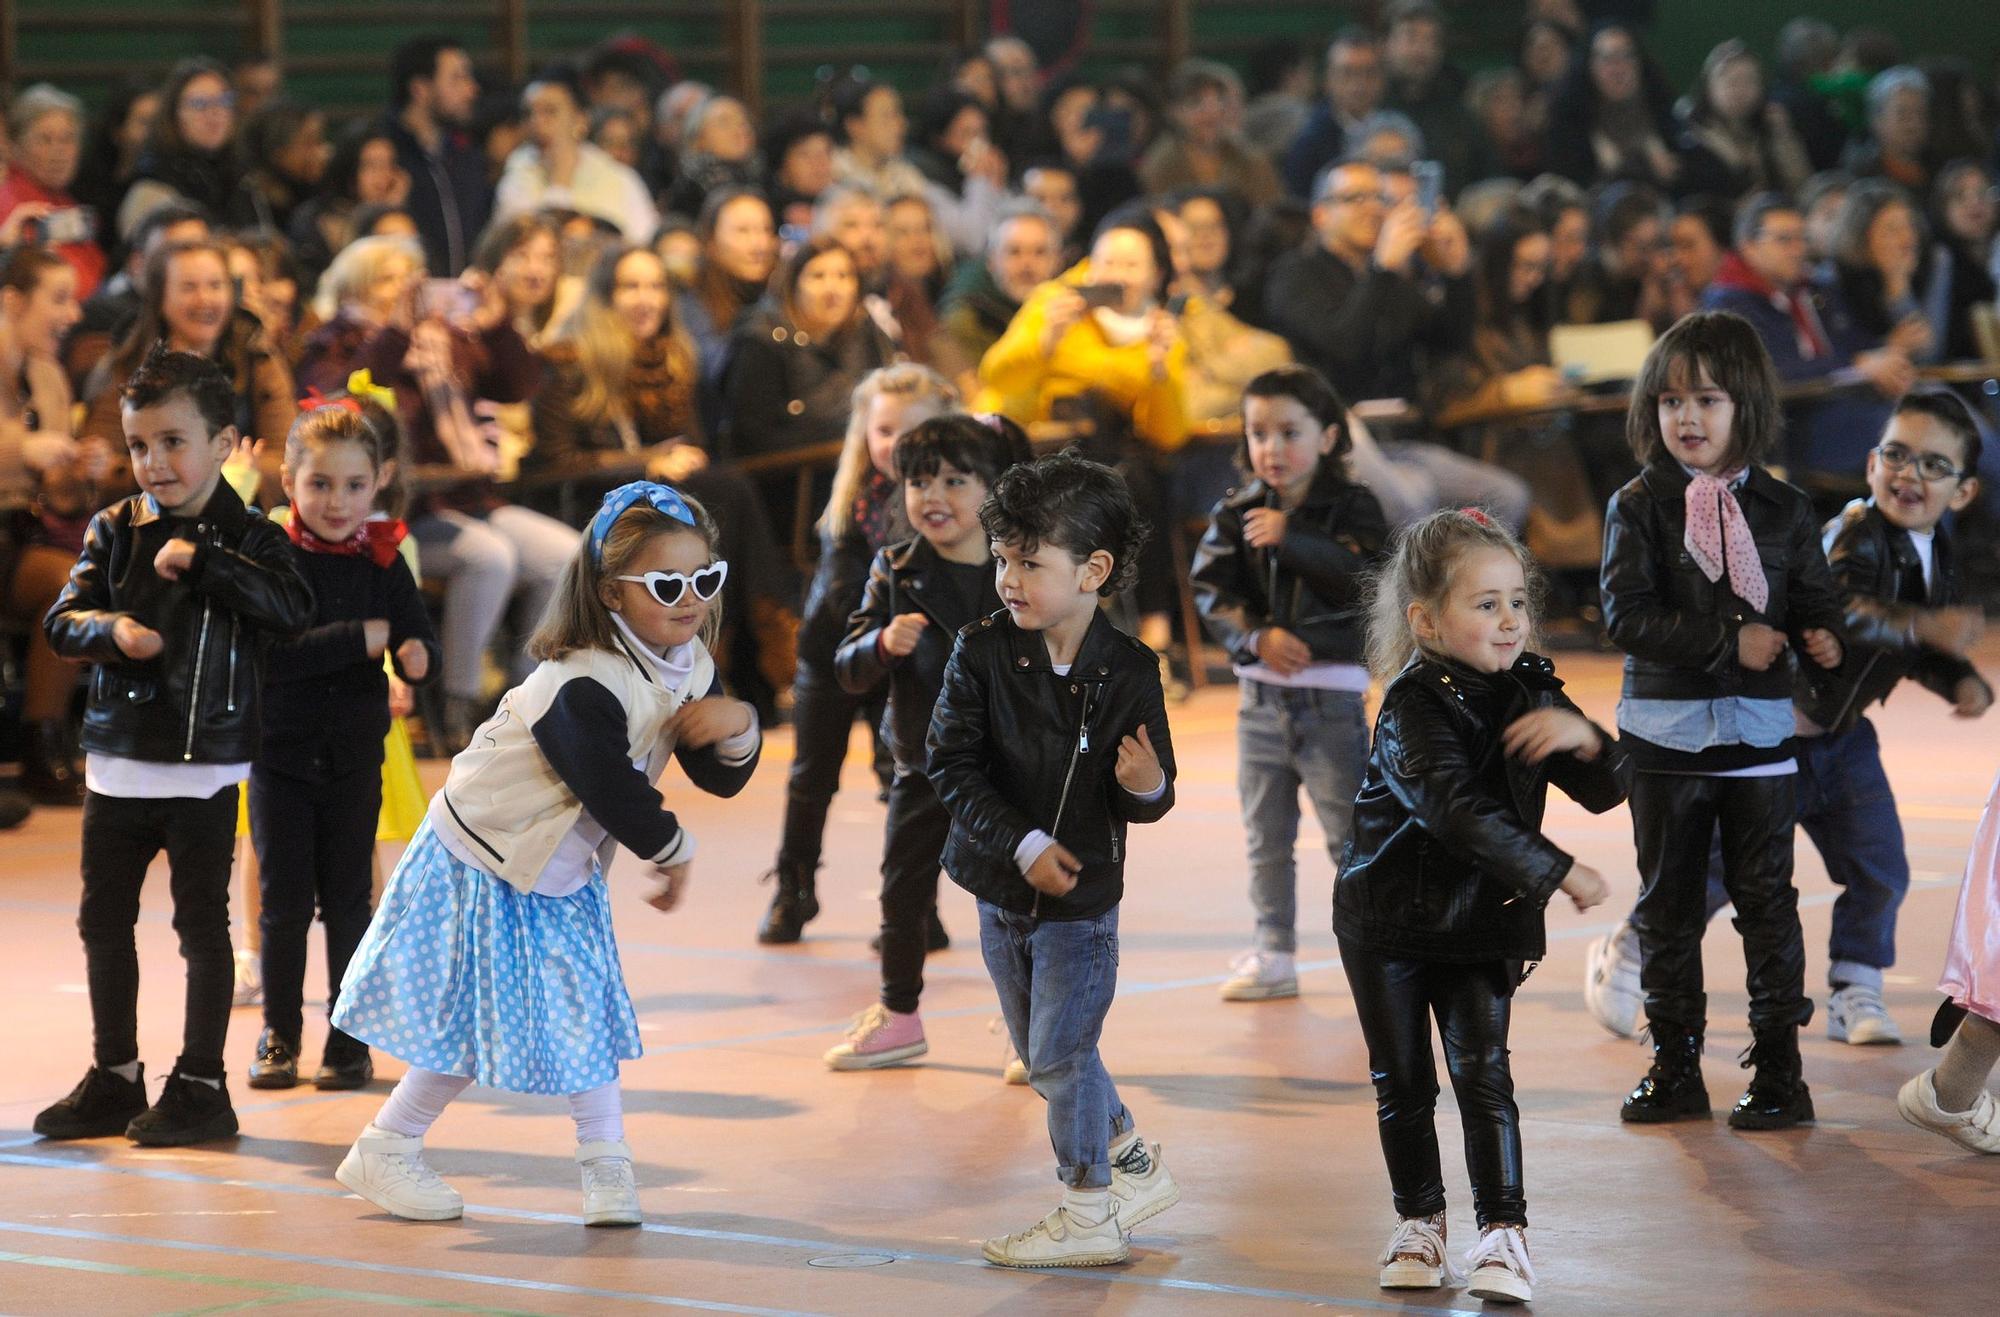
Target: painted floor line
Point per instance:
(816, 1246)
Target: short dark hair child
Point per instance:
(1310, 390)
(1950, 411)
(177, 595)
(984, 446)
(1078, 505)
(1049, 737)
(1727, 349)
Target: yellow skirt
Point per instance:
(403, 801)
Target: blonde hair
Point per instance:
(577, 616)
(605, 347)
(358, 265)
(1419, 571)
(905, 381)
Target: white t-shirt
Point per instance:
(145, 779)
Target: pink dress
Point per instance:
(1972, 961)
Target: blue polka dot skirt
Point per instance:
(462, 974)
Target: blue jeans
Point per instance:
(1846, 807)
(1056, 978)
(1285, 739)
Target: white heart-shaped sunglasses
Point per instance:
(668, 588)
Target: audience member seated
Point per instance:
(111, 311)
(1357, 304)
(1052, 186)
(966, 175)
(720, 151)
(285, 154)
(1202, 151)
(46, 126)
(442, 363)
(1874, 288)
(798, 154)
(917, 264)
(873, 133)
(1806, 51)
(1820, 201)
(1280, 77)
(1354, 87)
(620, 401)
(555, 168)
(118, 136)
(1431, 91)
(1547, 51)
(1966, 258)
(739, 249)
(1224, 354)
(364, 171)
(1697, 240)
(1899, 129)
(432, 93)
(523, 258)
(984, 296)
(191, 155)
(1625, 275)
(1613, 117)
(1509, 145)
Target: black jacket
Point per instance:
(450, 194)
(1446, 859)
(896, 584)
(1866, 557)
(787, 389)
(198, 700)
(1310, 585)
(1363, 331)
(326, 668)
(1015, 748)
(1677, 627)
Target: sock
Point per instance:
(129, 1072)
(1968, 1061)
(1090, 1206)
(420, 1098)
(599, 1114)
(1130, 1155)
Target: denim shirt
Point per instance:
(1691, 726)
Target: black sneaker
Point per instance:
(277, 1063)
(344, 1065)
(189, 1111)
(102, 1104)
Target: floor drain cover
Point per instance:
(852, 1260)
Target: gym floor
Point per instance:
(772, 1185)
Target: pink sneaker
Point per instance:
(879, 1037)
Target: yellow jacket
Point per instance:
(1020, 383)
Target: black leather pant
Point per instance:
(918, 827)
(822, 717)
(1674, 817)
(1395, 1000)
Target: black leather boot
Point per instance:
(49, 773)
(1777, 1098)
(1672, 1088)
(793, 906)
(277, 1063)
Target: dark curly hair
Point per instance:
(1078, 505)
(164, 373)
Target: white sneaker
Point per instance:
(1063, 1239)
(1499, 1266)
(389, 1171)
(1977, 1129)
(1855, 1015)
(1415, 1258)
(1013, 1070)
(610, 1195)
(1142, 1197)
(249, 979)
(1611, 988)
(1262, 976)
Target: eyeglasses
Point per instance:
(1360, 198)
(203, 104)
(669, 588)
(1931, 466)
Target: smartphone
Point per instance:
(72, 224)
(446, 299)
(1430, 184)
(1115, 123)
(1110, 296)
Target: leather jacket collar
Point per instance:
(1028, 652)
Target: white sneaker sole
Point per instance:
(1412, 1276)
(1911, 1106)
(839, 1059)
(1616, 1011)
(349, 1176)
(1866, 1035)
(1260, 991)
(615, 1216)
(1498, 1285)
(994, 1253)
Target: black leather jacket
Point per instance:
(896, 584)
(1446, 859)
(1015, 748)
(1310, 584)
(198, 700)
(1866, 556)
(1677, 627)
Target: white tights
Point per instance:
(422, 1095)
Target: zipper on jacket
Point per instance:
(194, 691)
(1062, 801)
(230, 705)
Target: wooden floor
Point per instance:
(772, 1185)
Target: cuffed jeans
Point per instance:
(1056, 978)
(1289, 738)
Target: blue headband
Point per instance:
(624, 498)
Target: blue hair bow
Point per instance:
(622, 499)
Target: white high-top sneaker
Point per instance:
(1063, 1238)
(610, 1194)
(1415, 1257)
(1141, 1197)
(1611, 988)
(389, 1171)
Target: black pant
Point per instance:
(822, 716)
(120, 838)
(1395, 1000)
(315, 843)
(1674, 817)
(913, 846)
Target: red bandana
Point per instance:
(375, 540)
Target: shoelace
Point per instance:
(867, 1022)
(1863, 1000)
(417, 1170)
(1416, 1237)
(605, 1173)
(1507, 1246)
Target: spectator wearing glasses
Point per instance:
(47, 128)
(192, 154)
(1355, 83)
